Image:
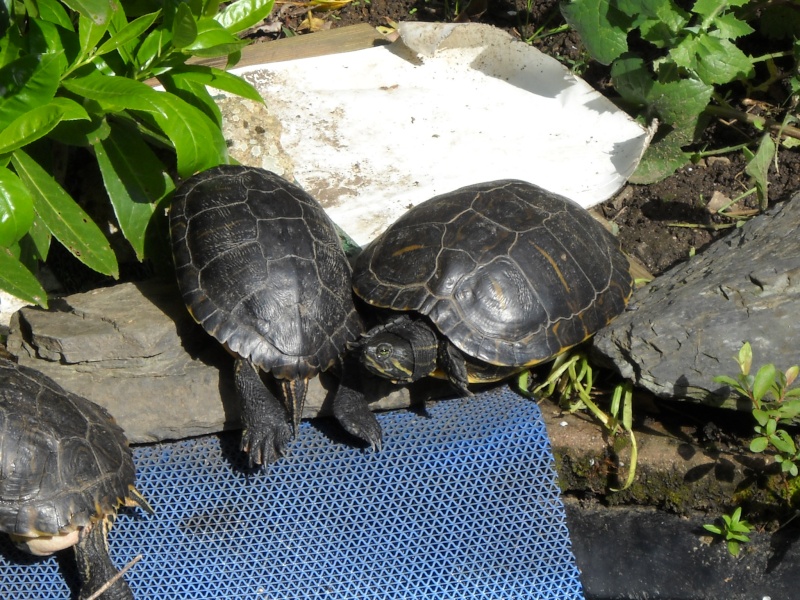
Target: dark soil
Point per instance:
(659, 224)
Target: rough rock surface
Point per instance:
(684, 328)
(134, 349)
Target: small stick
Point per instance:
(111, 581)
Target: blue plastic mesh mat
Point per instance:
(461, 503)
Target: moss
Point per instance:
(712, 489)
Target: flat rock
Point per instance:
(685, 327)
(134, 349)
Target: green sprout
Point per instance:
(734, 530)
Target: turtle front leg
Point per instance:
(95, 568)
(351, 408)
(267, 429)
(452, 363)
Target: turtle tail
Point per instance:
(135, 499)
(294, 394)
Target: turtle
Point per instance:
(65, 470)
(486, 281)
(260, 267)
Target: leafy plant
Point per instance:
(734, 530)
(74, 74)
(572, 377)
(775, 403)
(673, 64)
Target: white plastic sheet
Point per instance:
(370, 133)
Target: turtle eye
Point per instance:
(383, 350)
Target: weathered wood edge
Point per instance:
(332, 41)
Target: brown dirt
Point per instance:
(660, 224)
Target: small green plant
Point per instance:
(572, 378)
(677, 65)
(775, 404)
(74, 74)
(734, 530)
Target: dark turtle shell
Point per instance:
(64, 463)
(511, 274)
(261, 268)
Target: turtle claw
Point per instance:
(266, 445)
(361, 424)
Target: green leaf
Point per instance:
(113, 93)
(53, 12)
(730, 27)
(18, 281)
(243, 14)
(128, 33)
(153, 47)
(27, 82)
(763, 381)
(211, 8)
(38, 122)
(759, 444)
(632, 79)
(744, 358)
(90, 33)
(709, 9)
(16, 208)
(758, 167)
(67, 221)
(213, 40)
(661, 159)
(720, 61)
(99, 11)
(81, 133)
(193, 93)
(603, 28)
(713, 528)
(217, 79)
(184, 26)
(135, 180)
(784, 443)
(198, 142)
(761, 416)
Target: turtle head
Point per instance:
(391, 356)
(402, 350)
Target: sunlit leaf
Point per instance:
(218, 79)
(16, 208)
(38, 122)
(243, 14)
(130, 32)
(18, 281)
(99, 11)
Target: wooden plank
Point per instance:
(332, 41)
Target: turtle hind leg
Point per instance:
(351, 407)
(267, 429)
(452, 363)
(95, 568)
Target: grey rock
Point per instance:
(685, 327)
(135, 349)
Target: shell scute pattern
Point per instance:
(509, 273)
(260, 267)
(63, 461)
